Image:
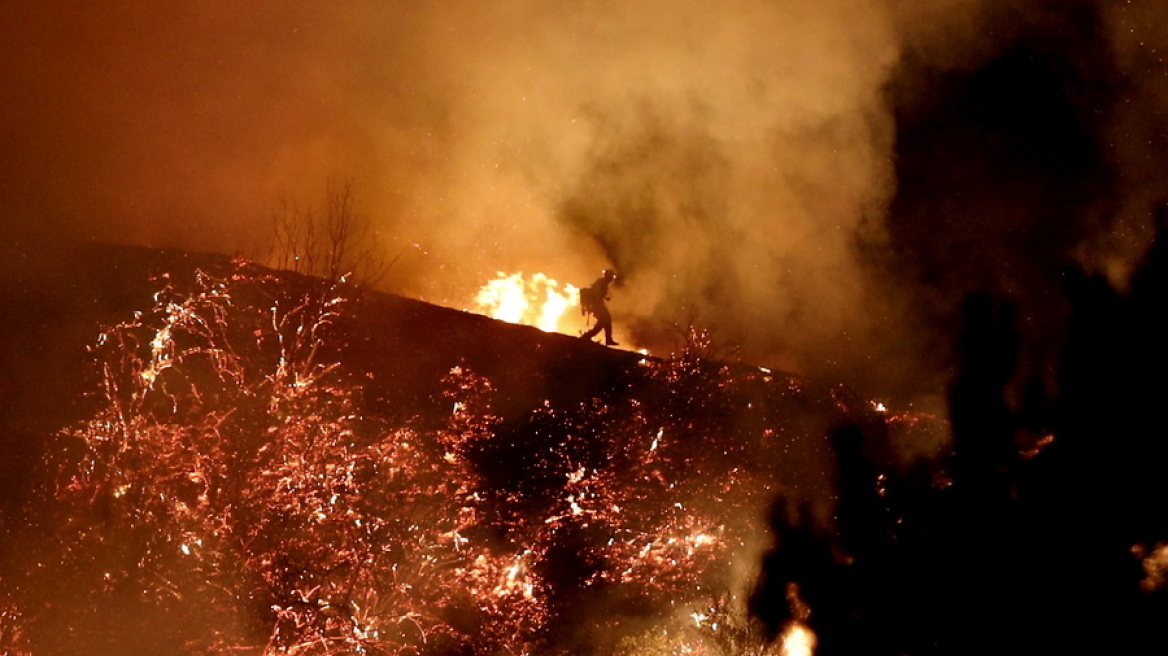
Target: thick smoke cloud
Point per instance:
(730, 191)
(1027, 142)
(804, 177)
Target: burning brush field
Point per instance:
(205, 456)
(272, 464)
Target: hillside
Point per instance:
(209, 457)
(55, 303)
(158, 401)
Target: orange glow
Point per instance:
(532, 301)
(797, 640)
(1155, 566)
(366, 538)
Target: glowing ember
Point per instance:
(797, 640)
(231, 453)
(1155, 563)
(535, 301)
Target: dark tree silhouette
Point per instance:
(1051, 547)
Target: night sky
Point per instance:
(820, 182)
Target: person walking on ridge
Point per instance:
(592, 301)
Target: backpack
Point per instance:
(589, 300)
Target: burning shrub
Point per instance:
(229, 465)
(12, 640)
(231, 476)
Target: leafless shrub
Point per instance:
(697, 344)
(334, 243)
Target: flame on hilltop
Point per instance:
(532, 301)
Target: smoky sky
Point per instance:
(817, 181)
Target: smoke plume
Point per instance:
(815, 181)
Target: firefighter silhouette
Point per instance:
(592, 301)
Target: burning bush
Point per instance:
(231, 485)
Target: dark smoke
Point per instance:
(1020, 157)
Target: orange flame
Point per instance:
(535, 301)
(797, 640)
